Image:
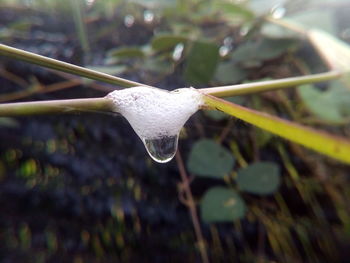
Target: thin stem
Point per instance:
(64, 66)
(255, 87)
(55, 106)
(331, 145)
(192, 208)
(39, 89)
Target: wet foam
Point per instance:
(154, 113)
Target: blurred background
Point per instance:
(81, 188)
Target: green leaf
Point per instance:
(320, 19)
(259, 178)
(229, 73)
(157, 65)
(234, 12)
(221, 204)
(331, 105)
(167, 41)
(272, 30)
(155, 4)
(209, 159)
(201, 63)
(334, 51)
(264, 49)
(126, 52)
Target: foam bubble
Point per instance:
(154, 113)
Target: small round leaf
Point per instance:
(221, 204)
(259, 178)
(210, 159)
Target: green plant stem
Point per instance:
(192, 208)
(255, 87)
(331, 145)
(64, 66)
(55, 107)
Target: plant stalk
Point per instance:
(261, 86)
(55, 107)
(64, 66)
(331, 145)
(192, 208)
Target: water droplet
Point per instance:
(163, 149)
(148, 16)
(89, 2)
(178, 50)
(129, 20)
(224, 50)
(346, 34)
(228, 41)
(278, 11)
(244, 30)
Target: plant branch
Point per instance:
(330, 145)
(192, 208)
(39, 88)
(55, 106)
(255, 87)
(64, 66)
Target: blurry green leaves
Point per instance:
(263, 49)
(335, 52)
(230, 73)
(200, 57)
(221, 204)
(234, 13)
(210, 159)
(331, 105)
(167, 41)
(259, 178)
(127, 52)
(201, 62)
(321, 19)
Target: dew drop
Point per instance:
(278, 11)
(178, 50)
(129, 20)
(148, 16)
(163, 149)
(223, 51)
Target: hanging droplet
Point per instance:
(278, 11)
(223, 51)
(148, 16)
(178, 50)
(162, 149)
(129, 20)
(157, 116)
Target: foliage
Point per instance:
(208, 158)
(220, 204)
(331, 105)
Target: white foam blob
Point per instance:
(156, 115)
